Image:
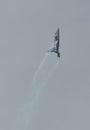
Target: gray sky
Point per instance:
(26, 32)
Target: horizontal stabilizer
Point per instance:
(51, 49)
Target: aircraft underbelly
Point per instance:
(55, 49)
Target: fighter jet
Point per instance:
(56, 44)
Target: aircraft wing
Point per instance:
(56, 40)
(56, 44)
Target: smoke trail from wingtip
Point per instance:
(40, 68)
(51, 72)
(38, 76)
(40, 79)
(25, 114)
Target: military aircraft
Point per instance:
(56, 44)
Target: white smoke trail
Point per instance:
(50, 73)
(38, 78)
(27, 112)
(25, 115)
(39, 69)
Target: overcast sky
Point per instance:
(26, 32)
